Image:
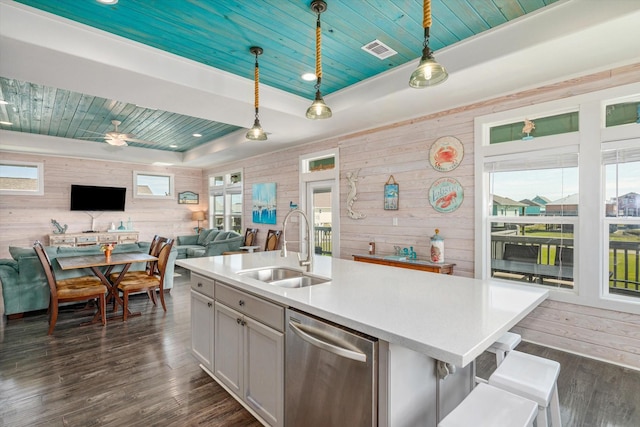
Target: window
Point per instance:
(563, 210)
(21, 178)
(153, 185)
(225, 201)
(533, 216)
(621, 163)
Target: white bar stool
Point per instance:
(488, 406)
(534, 378)
(504, 345)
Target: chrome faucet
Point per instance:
(308, 263)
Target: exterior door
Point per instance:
(323, 211)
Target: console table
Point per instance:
(92, 239)
(414, 264)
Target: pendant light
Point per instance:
(429, 72)
(318, 109)
(256, 133)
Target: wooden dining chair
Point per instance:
(147, 282)
(150, 269)
(273, 240)
(250, 236)
(67, 290)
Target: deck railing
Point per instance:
(625, 278)
(322, 239)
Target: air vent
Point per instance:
(379, 49)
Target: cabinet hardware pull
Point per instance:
(209, 304)
(199, 284)
(238, 320)
(241, 303)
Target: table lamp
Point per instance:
(198, 216)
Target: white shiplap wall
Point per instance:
(400, 150)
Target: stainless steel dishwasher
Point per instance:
(331, 376)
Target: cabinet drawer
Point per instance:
(105, 238)
(264, 311)
(128, 238)
(202, 284)
(87, 239)
(62, 240)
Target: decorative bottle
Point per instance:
(437, 248)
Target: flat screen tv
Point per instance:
(95, 198)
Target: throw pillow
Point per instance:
(212, 236)
(17, 252)
(221, 236)
(203, 236)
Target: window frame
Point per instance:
(170, 176)
(40, 177)
(227, 190)
(589, 139)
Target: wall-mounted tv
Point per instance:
(95, 198)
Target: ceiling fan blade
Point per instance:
(139, 141)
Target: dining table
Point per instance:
(102, 266)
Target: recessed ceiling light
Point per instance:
(6, 123)
(161, 164)
(173, 146)
(108, 1)
(197, 135)
(308, 77)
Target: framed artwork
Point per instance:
(391, 194)
(264, 203)
(446, 195)
(188, 198)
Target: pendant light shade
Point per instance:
(256, 133)
(429, 72)
(318, 109)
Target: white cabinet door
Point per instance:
(228, 342)
(264, 371)
(202, 318)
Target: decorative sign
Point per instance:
(391, 194)
(446, 153)
(188, 198)
(446, 195)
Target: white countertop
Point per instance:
(449, 318)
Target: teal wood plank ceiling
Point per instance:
(49, 111)
(219, 32)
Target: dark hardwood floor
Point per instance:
(141, 373)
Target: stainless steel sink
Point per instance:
(284, 277)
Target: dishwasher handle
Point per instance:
(299, 330)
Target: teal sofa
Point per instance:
(24, 284)
(209, 242)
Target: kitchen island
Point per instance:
(419, 318)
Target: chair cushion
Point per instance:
(138, 283)
(129, 275)
(80, 287)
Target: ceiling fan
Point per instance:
(117, 138)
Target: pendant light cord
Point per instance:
(426, 20)
(318, 53)
(256, 78)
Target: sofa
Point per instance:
(209, 242)
(24, 284)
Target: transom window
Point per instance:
(21, 178)
(153, 185)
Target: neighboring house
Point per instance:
(567, 206)
(629, 204)
(533, 208)
(504, 206)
